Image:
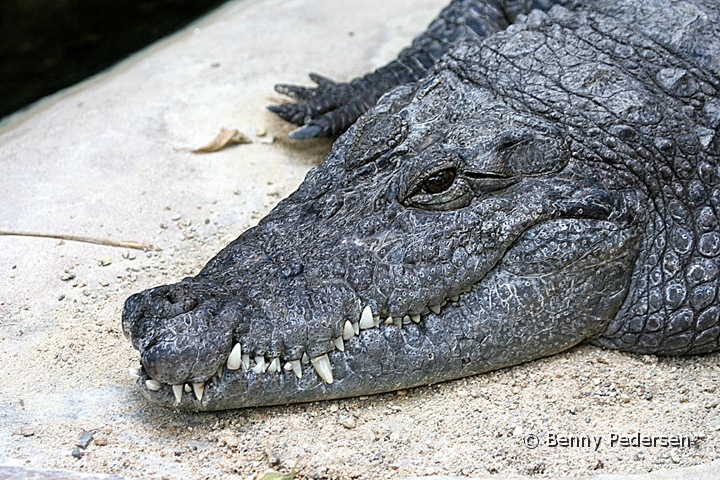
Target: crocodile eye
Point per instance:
(440, 181)
(443, 188)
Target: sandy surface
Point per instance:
(99, 161)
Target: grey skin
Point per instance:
(550, 183)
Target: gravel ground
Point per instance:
(93, 162)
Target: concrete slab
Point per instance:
(99, 160)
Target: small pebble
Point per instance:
(101, 440)
(649, 396)
(176, 217)
(85, 439)
(587, 419)
(261, 132)
(349, 422)
(67, 276)
(334, 408)
(61, 297)
(77, 454)
(105, 261)
(624, 398)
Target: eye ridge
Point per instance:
(440, 181)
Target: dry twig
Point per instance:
(77, 238)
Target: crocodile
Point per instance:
(541, 174)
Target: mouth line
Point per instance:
(259, 366)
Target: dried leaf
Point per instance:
(280, 476)
(223, 139)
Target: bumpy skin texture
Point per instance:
(552, 183)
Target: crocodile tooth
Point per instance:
(425, 311)
(376, 322)
(323, 368)
(178, 391)
(389, 321)
(398, 322)
(435, 309)
(199, 389)
(259, 365)
(305, 358)
(188, 388)
(134, 373)
(235, 358)
(366, 319)
(295, 364)
(246, 361)
(443, 303)
(153, 385)
(348, 331)
(455, 298)
(406, 319)
(339, 344)
(415, 318)
(220, 370)
(274, 365)
(356, 328)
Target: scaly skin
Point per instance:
(553, 183)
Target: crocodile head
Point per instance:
(455, 229)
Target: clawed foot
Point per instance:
(323, 111)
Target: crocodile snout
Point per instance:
(180, 336)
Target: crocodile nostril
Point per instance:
(292, 269)
(172, 296)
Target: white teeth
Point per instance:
(348, 330)
(295, 365)
(246, 361)
(436, 309)
(398, 323)
(323, 368)
(153, 385)
(305, 358)
(219, 372)
(356, 328)
(235, 358)
(406, 319)
(366, 319)
(274, 366)
(455, 298)
(287, 367)
(199, 389)
(134, 373)
(425, 311)
(188, 388)
(178, 391)
(389, 321)
(259, 365)
(444, 302)
(415, 318)
(339, 344)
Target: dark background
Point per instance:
(47, 45)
